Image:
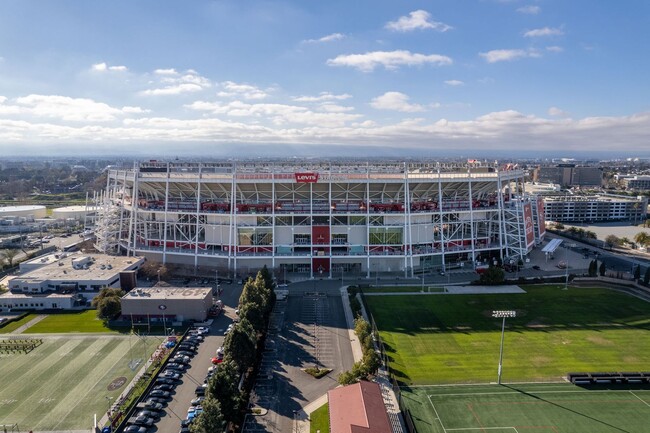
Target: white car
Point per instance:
(203, 330)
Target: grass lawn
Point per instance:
(544, 408)
(84, 321)
(12, 326)
(63, 382)
(453, 338)
(320, 420)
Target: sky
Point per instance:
(334, 78)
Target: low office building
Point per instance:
(594, 208)
(637, 182)
(48, 301)
(74, 272)
(167, 303)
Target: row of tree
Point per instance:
(641, 239)
(224, 400)
(370, 361)
(595, 270)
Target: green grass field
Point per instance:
(543, 408)
(453, 338)
(63, 382)
(12, 326)
(320, 420)
(404, 289)
(83, 321)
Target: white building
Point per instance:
(318, 217)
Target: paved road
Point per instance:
(176, 410)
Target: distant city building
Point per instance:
(594, 208)
(569, 175)
(636, 182)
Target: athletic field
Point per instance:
(543, 408)
(63, 382)
(451, 339)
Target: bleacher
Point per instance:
(609, 378)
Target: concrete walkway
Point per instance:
(357, 351)
(29, 324)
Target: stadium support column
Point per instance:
(471, 216)
(121, 210)
(232, 237)
(198, 219)
(329, 197)
(166, 211)
(134, 206)
(441, 230)
(408, 225)
(273, 247)
(501, 213)
(367, 220)
(311, 230)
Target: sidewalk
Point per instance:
(29, 324)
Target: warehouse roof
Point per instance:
(169, 293)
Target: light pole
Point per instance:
(502, 314)
(566, 268)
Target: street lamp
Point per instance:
(502, 314)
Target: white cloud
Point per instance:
(323, 96)
(173, 83)
(454, 83)
(529, 10)
(419, 19)
(134, 110)
(176, 89)
(101, 67)
(68, 109)
(395, 101)
(544, 31)
(555, 49)
(170, 71)
(246, 91)
(334, 108)
(388, 59)
(495, 56)
(328, 38)
(557, 112)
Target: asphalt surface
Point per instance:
(311, 331)
(176, 410)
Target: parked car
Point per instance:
(203, 330)
(200, 390)
(165, 381)
(536, 267)
(149, 414)
(142, 420)
(176, 366)
(197, 401)
(135, 429)
(181, 359)
(150, 404)
(171, 374)
(156, 400)
(185, 353)
(160, 394)
(164, 387)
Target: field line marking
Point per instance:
(481, 428)
(471, 394)
(640, 399)
(437, 415)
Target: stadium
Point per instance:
(320, 218)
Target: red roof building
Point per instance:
(358, 408)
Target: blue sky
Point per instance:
(405, 77)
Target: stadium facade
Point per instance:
(320, 218)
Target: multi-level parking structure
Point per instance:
(320, 218)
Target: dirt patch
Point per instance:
(596, 339)
(540, 361)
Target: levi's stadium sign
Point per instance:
(306, 177)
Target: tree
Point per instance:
(637, 273)
(251, 293)
(492, 276)
(602, 269)
(371, 360)
(107, 293)
(211, 420)
(347, 378)
(362, 328)
(612, 240)
(223, 387)
(253, 312)
(240, 345)
(109, 308)
(642, 238)
(9, 256)
(154, 269)
(593, 268)
(646, 277)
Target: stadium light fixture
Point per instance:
(502, 314)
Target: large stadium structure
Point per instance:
(320, 218)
